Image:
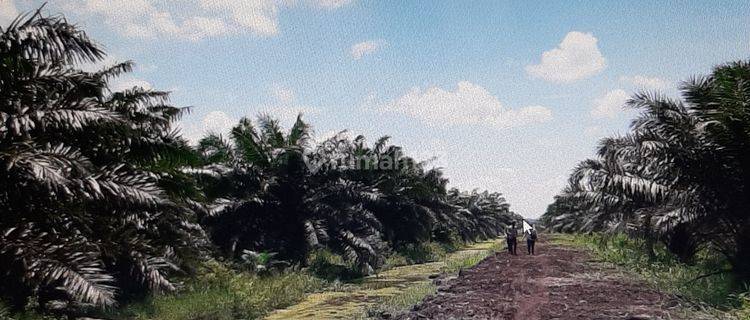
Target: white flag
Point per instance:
(526, 227)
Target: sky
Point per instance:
(503, 95)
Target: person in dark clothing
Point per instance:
(510, 236)
(530, 240)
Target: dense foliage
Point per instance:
(103, 200)
(272, 190)
(680, 176)
(85, 212)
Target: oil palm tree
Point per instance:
(84, 215)
(270, 192)
(681, 172)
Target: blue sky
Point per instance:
(508, 96)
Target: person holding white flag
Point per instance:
(529, 232)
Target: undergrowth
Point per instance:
(400, 302)
(698, 283)
(219, 293)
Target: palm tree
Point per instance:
(269, 193)
(478, 215)
(85, 217)
(681, 174)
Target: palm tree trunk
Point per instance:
(650, 239)
(740, 262)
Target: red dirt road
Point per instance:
(557, 283)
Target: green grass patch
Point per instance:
(400, 302)
(665, 272)
(452, 263)
(392, 291)
(332, 267)
(420, 253)
(464, 260)
(219, 293)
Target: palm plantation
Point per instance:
(106, 206)
(104, 201)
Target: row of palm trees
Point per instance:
(102, 199)
(680, 176)
(271, 189)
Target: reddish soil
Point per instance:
(556, 283)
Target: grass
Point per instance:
(412, 295)
(667, 274)
(392, 291)
(397, 303)
(419, 253)
(219, 293)
(468, 259)
(327, 265)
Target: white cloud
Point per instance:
(285, 107)
(643, 82)
(469, 104)
(258, 16)
(213, 122)
(218, 122)
(221, 123)
(128, 83)
(284, 95)
(319, 137)
(592, 131)
(203, 27)
(8, 12)
(288, 114)
(526, 115)
(361, 49)
(610, 105)
(189, 20)
(331, 4)
(577, 57)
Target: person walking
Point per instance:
(530, 236)
(510, 236)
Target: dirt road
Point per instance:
(556, 283)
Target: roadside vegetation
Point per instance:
(107, 210)
(664, 271)
(672, 194)
(391, 291)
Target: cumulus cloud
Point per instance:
(361, 49)
(468, 104)
(258, 16)
(122, 84)
(577, 57)
(190, 20)
(285, 106)
(8, 12)
(217, 122)
(287, 114)
(331, 4)
(609, 105)
(282, 106)
(643, 82)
